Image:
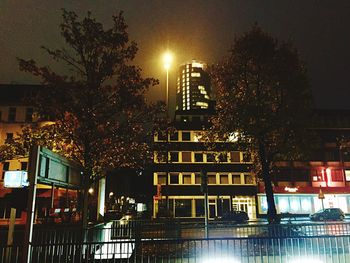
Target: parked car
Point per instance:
(328, 214)
(235, 216)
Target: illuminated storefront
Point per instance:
(305, 203)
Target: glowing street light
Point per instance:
(167, 59)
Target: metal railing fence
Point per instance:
(234, 250)
(172, 241)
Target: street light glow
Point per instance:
(167, 59)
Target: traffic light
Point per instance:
(204, 182)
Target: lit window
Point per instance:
(236, 179)
(195, 74)
(211, 178)
(248, 179)
(347, 175)
(235, 157)
(198, 178)
(161, 179)
(223, 178)
(197, 136)
(197, 65)
(337, 175)
(186, 179)
(186, 157)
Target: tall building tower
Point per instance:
(193, 87)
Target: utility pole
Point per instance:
(204, 190)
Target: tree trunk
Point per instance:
(271, 206)
(86, 186)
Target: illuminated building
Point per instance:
(297, 184)
(177, 182)
(193, 87)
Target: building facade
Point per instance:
(305, 187)
(179, 158)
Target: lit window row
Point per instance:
(197, 65)
(200, 157)
(191, 136)
(188, 178)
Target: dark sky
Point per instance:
(192, 29)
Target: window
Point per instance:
(347, 175)
(186, 179)
(198, 157)
(186, 136)
(199, 207)
(317, 175)
(211, 178)
(195, 74)
(222, 157)
(183, 207)
(9, 137)
(174, 157)
(184, 119)
(162, 179)
(174, 136)
(174, 178)
(337, 175)
(236, 179)
(5, 167)
(235, 157)
(29, 115)
(210, 157)
(161, 157)
(12, 114)
(161, 136)
(248, 179)
(186, 157)
(198, 178)
(24, 166)
(223, 178)
(247, 157)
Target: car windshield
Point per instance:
(319, 211)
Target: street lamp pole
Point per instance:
(167, 58)
(167, 92)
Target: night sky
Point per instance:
(197, 29)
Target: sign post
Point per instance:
(33, 175)
(321, 196)
(204, 190)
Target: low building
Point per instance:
(177, 177)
